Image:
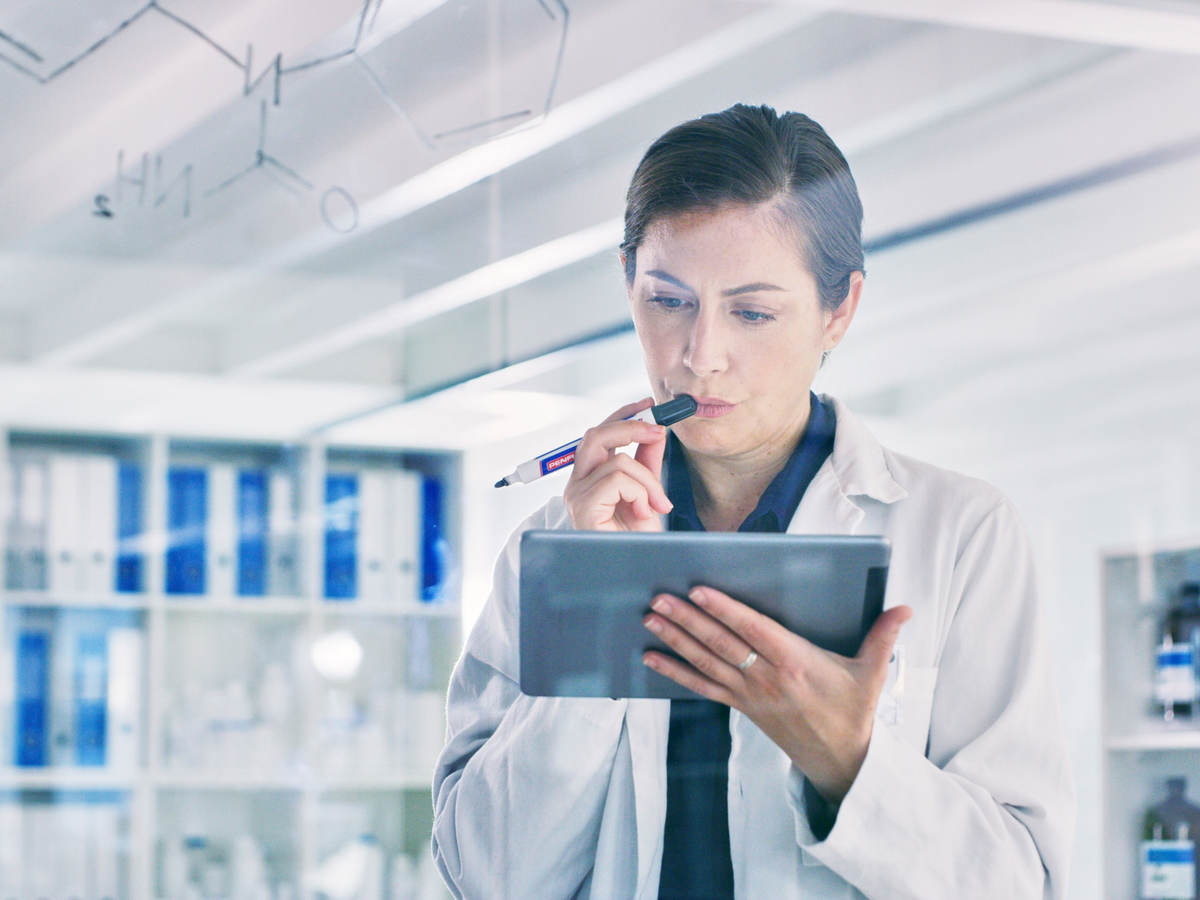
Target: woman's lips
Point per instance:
(711, 408)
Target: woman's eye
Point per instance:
(668, 302)
(751, 315)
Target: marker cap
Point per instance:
(674, 410)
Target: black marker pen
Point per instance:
(667, 413)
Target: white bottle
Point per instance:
(373, 734)
(429, 879)
(174, 868)
(1168, 867)
(343, 874)
(248, 869)
(425, 715)
(195, 848)
(212, 743)
(372, 885)
(240, 726)
(339, 723)
(275, 696)
(1175, 677)
(402, 882)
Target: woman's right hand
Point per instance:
(611, 491)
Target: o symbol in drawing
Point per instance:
(346, 219)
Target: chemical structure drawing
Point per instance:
(336, 205)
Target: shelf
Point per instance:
(300, 781)
(199, 645)
(298, 606)
(76, 778)
(1151, 548)
(381, 782)
(1140, 751)
(382, 608)
(66, 778)
(237, 606)
(52, 600)
(1177, 739)
(168, 779)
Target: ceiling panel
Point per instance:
(351, 229)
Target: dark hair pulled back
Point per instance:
(750, 155)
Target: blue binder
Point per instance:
(33, 698)
(433, 543)
(130, 565)
(341, 536)
(187, 514)
(252, 533)
(91, 698)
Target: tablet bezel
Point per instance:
(583, 595)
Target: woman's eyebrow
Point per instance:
(664, 276)
(751, 288)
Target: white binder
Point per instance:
(73, 832)
(101, 851)
(124, 714)
(65, 535)
(373, 527)
(42, 838)
(404, 545)
(10, 485)
(221, 537)
(99, 523)
(61, 737)
(35, 499)
(12, 855)
(283, 541)
(25, 554)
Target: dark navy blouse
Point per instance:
(696, 857)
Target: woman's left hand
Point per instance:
(819, 707)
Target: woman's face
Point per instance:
(727, 311)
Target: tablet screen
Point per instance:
(583, 595)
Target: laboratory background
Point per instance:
(286, 287)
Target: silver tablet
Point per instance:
(584, 593)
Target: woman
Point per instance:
(802, 773)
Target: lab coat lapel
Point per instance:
(648, 722)
(825, 508)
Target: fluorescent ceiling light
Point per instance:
(482, 282)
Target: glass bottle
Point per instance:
(1175, 810)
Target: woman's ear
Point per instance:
(838, 322)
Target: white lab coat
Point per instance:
(969, 796)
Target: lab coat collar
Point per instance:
(858, 459)
(855, 468)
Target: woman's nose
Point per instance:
(706, 350)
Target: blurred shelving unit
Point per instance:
(260, 705)
(1140, 750)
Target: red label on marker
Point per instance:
(558, 462)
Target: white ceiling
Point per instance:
(1025, 166)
